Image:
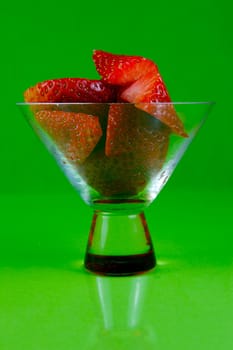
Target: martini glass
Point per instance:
(118, 158)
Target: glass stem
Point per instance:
(119, 245)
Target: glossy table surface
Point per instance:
(48, 301)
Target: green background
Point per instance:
(44, 224)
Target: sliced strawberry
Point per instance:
(136, 149)
(76, 134)
(132, 130)
(71, 90)
(121, 69)
(165, 112)
(141, 82)
(149, 88)
(146, 93)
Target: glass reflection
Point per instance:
(120, 303)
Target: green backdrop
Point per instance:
(43, 222)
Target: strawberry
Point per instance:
(121, 69)
(147, 93)
(149, 88)
(135, 149)
(75, 134)
(71, 90)
(165, 112)
(113, 176)
(142, 85)
(131, 130)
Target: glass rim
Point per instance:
(116, 103)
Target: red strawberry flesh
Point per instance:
(141, 82)
(75, 134)
(165, 112)
(149, 88)
(150, 94)
(134, 151)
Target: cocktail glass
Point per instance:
(118, 158)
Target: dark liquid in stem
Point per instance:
(120, 265)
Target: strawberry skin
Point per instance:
(131, 130)
(75, 134)
(134, 152)
(71, 90)
(121, 69)
(141, 84)
(165, 112)
(149, 93)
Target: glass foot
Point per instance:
(119, 245)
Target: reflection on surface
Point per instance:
(122, 304)
(177, 306)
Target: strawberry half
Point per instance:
(75, 134)
(165, 112)
(121, 69)
(142, 85)
(147, 93)
(135, 150)
(71, 90)
(131, 130)
(149, 88)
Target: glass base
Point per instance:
(119, 245)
